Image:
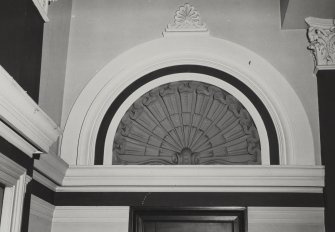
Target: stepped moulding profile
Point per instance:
(187, 122)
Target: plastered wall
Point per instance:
(41, 214)
(116, 219)
(54, 58)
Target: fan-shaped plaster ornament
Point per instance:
(186, 19)
(187, 123)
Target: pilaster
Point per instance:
(321, 35)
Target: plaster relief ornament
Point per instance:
(187, 123)
(186, 19)
(322, 41)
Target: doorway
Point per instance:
(214, 219)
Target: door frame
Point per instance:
(235, 215)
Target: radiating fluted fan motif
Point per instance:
(187, 19)
(187, 122)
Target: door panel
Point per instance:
(188, 226)
(146, 219)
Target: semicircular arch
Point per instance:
(82, 127)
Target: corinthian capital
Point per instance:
(321, 35)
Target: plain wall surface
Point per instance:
(2, 190)
(116, 219)
(21, 28)
(54, 56)
(101, 30)
(39, 224)
(90, 219)
(40, 217)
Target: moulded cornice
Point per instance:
(15, 139)
(10, 171)
(44, 181)
(49, 164)
(52, 166)
(196, 178)
(24, 115)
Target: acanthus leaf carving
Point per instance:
(322, 41)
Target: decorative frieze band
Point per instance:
(321, 35)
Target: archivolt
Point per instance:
(128, 71)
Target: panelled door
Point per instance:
(188, 220)
(187, 226)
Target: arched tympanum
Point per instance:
(186, 123)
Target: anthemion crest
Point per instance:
(187, 123)
(186, 19)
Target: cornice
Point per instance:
(24, 115)
(44, 181)
(10, 171)
(321, 35)
(15, 139)
(48, 164)
(51, 166)
(194, 178)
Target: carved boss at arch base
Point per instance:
(186, 123)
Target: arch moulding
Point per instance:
(291, 123)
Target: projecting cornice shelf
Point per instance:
(210, 178)
(24, 115)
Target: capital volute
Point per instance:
(321, 35)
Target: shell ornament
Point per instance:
(187, 18)
(186, 123)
